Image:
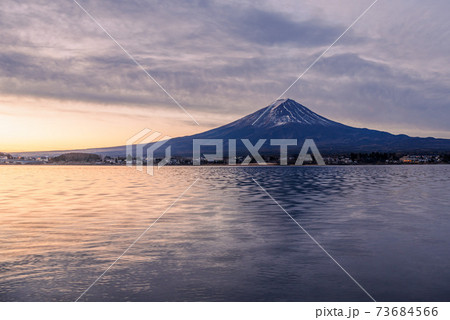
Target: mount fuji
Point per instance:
(288, 119)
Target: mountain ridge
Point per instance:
(288, 119)
(284, 111)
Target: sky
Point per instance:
(64, 84)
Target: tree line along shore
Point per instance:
(336, 159)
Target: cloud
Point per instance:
(272, 28)
(232, 57)
(362, 89)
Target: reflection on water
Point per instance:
(225, 240)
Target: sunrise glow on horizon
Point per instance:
(64, 84)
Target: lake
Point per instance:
(225, 239)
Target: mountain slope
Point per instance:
(287, 119)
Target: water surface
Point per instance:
(225, 239)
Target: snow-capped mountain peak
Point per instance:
(285, 111)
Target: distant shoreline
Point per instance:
(220, 165)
